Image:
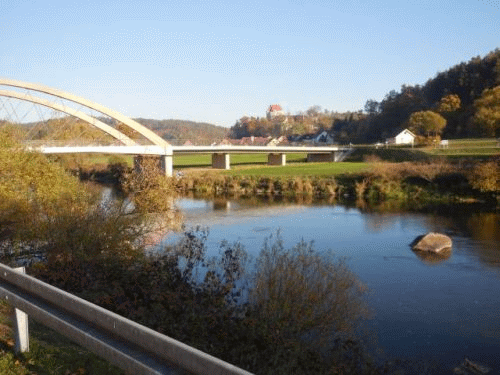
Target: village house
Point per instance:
(405, 137)
(323, 138)
(274, 111)
(319, 138)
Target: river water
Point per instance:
(437, 310)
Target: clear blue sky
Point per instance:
(218, 60)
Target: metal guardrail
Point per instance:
(129, 345)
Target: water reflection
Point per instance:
(431, 258)
(428, 306)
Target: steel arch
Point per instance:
(70, 111)
(147, 133)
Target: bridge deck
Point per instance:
(158, 150)
(220, 154)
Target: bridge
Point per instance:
(45, 119)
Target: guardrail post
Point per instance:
(21, 331)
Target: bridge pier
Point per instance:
(164, 163)
(276, 159)
(220, 161)
(312, 157)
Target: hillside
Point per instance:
(179, 131)
(455, 94)
(465, 81)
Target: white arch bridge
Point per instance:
(41, 116)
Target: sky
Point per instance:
(216, 61)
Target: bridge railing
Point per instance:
(129, 345)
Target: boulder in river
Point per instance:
(432, 242)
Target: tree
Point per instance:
(427, 122)
(128, 131)
(371, 107)
(487, 115)
(313, 110)
(449, 103)
(45, 209)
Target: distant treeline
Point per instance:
(180, 131)
(462, 85)
(466, 80)
(176, 132)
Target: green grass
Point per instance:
(256, 165)
(470, 151)
(468, 147)
(205, 160)
(301, 169)
(469, 142)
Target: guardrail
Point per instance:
(129, 345)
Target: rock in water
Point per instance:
(432, 242)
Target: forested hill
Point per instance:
(463, 101)
(467, 81)
(180, 131)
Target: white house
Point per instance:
(323, 137)
(406, 137)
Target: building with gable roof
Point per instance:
(405, 137)
(274, 110)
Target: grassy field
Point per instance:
(205, 160)
(50, 353)
(256, 164)
(468, 148)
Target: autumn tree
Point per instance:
(128, 131)
(43, 208)
(427, 122)
(487, 115)
(449, 103)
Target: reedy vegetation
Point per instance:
(416, 183)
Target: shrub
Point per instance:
(149, 189)
(302, 294)
(293, 316)
(486, 177)
(44, 210)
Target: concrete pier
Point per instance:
(221, 161)
(312, 158)
(163, 162)
(276, 159)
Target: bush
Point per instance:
(149, 189)
(293, 316)
(301, 293)
(44, 210)
(486, 177)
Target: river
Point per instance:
(439, 311)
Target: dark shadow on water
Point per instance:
(430, 258)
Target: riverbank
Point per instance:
(380, 177)
(165, 293)
(412, 184)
